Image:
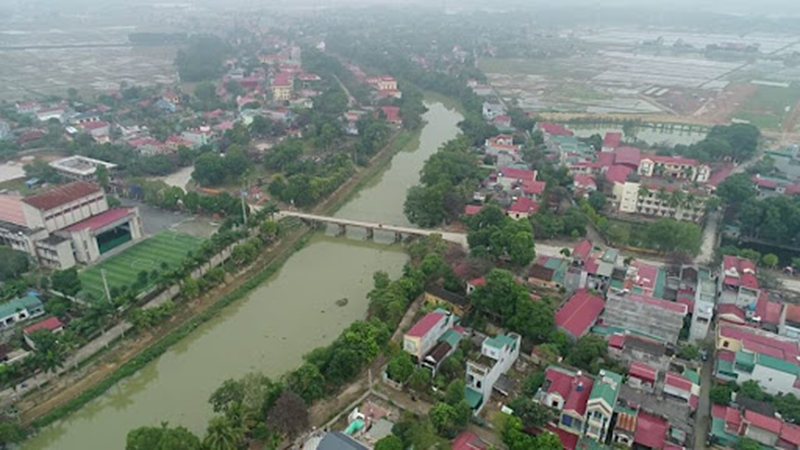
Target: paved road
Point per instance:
(702, 423)
(706, 255)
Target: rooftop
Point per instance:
(80, 165)
(51, 323)
(425, 324)
(18, 304)
(11, 210)
(101, 220)
(579, 313)
(606, 387)
(651, 431)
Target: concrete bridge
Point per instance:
(371, 227)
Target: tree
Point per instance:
(66, 282)
(307, 381)
(390, 442)
(532, 383)
(751, 389)
(721, 394)
(688, 352)
(289, 415)
(588, 349)
(747, 443)
(11, 433)
(597, 200)
(448, 420)
(161, 438)
(13, 263)
(770, 260)
(400, 367)
(736, 190)
(455, 392)
(209, 169)
(547, 441)
(533, 414)
(420, 380)
(223, 434)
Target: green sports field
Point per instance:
(122, 269)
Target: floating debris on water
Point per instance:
(342, 302)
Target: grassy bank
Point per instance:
(160, 347)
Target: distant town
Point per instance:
(401, 230)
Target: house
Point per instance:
(648, 316)
(651, 432)
(52, 324)
(468, 441)
(446, 346)
(392, 114)
(55, 112)
(522, 208)
(738, 284)
(491, 110)
(351, 119)
(579, 313)
(473, 284)
(198, 136)
(27, 107)
(601, 404)
(435, 296)
(642, 376)
(279, 114)
(424, 335)
(568, 393)
(282, 86)
(502, 123)
(80, 168)
(96, 129)
(548, 271)
(19, 309)
(789, 325)
(583, 185)
(498, 355)
(339, 441)
(611, 141)
(173, 143)
(745, 353)
(67, 223)
(165, 105)
(502, 144)
(553, 129)
(147, 146)
(675, 167)
(682, 388)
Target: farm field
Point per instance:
(122, 269)
(769, 105)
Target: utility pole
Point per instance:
(105, 284)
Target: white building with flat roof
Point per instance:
(80, 167)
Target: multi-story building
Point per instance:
(68, 224)
(567, 392)
(738, 283)
(648, 316)
(655, 198)
(498, 355)
(745, 354)
(674, 167)
(601, 404)
(424, 335)
(282, 86)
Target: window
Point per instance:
(566, 420)
(725, 344)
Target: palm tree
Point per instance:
(643, 191)
(222, 434)
(676, 199)
(662, 195)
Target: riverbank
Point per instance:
(130, 356)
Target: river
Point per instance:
(269, 331)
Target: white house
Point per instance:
(425, 334)
(498, 355)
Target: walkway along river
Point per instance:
(269, 331)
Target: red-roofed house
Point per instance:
(618, 174)
(553, 129)
(790, 321)
(522, 208)
(424, 335)
(96, 129)
(642, 376)
(719, 175)
(680, 387)
(51, 323)
(651, 431)
(761, 428)
(731, 313)
(392, 114)
(508, 177)
(584, 184)
(738, 284)
(611, 141)
(502, 144)
(468, 441)
(146, 146)
(579, 313)
(580, 253)
(471, 210)
(568, 393)
(502, 122)
(473, 284)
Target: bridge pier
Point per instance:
(342, 230)
(370, 233)
(398, 237)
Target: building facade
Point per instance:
(498, 355)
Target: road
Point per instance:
(706, 255)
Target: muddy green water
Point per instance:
(269, 331)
